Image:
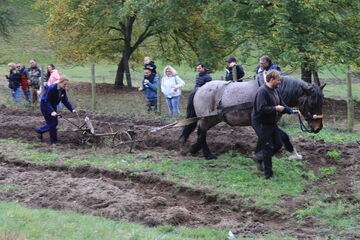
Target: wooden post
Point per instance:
(350, 104)
(93, 88)
(159, 99)
(42, 80)
(234, 73)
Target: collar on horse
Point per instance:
(221, 111)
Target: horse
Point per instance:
(232, 102)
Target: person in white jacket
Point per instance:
(171, 85)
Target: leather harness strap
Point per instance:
(242, 106)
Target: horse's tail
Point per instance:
(190, 113)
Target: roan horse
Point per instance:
(232, 102)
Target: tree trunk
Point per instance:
(119, 79)
(126, 56)
(316, 77)
(305, 72)
(123, 69)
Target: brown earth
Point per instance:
(148, 199)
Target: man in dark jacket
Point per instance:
(203, 75)
(34, 76)
(268, 107)
(55, 94)
(265, 64)
(232, 66)
(14, 79)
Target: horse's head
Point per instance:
(311, 106)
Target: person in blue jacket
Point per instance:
(149, 86)
(54, 94)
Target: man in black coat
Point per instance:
(203, 75)
(231, 65)
(268, 107)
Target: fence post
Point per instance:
(93, 88)
(350, 104)
(42, 80)
(159, 94)
(234, 73)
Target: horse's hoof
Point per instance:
(210, 157)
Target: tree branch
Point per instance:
(114, 28)
(145, 34)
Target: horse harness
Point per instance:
(221, 111)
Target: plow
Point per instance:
(123, 139)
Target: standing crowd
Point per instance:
(171, 83)
(49, 89)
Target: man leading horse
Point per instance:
(232, 102)
(268, 107)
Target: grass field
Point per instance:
(231, 173)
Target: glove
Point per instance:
(288, 110)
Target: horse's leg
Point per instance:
(204, 125)
(288, 146)
(196, 146)
(206, 151)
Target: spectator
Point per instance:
(24, 81)
(171, 85)
(265, 65)
(55, 94)
(53, 74)
(150, 65)
(34, 76)
(14, 79)
(149, 86)
(231, 65)
(203, 75)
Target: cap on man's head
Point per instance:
(231, 59)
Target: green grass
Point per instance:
(327, 134)
(229, 174)
(27, 38)
(339, 91)
(24, 223)
(335, 214)
(334, 155)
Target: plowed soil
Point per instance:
(144, 198)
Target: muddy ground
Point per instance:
(144, 198)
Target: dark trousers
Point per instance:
(269, 143)
(150, 103)
(285, 140)
(50, 126)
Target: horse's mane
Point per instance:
(291, 89)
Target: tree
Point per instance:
(300, 33)
(89, 30)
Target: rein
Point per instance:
(303, 126)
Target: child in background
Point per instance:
(149, 65)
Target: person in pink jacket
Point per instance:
(54, 75)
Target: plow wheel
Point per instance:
(123, 141)
(90, 139)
